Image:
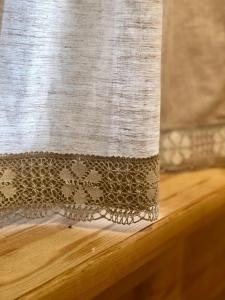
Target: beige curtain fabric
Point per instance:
(193, 85)
(79, 108)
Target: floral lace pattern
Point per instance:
(80, 187)
(81, 183)
(192, 148)
(7, 190)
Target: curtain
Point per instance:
(193, 85)
(79, 108)
(79, 103)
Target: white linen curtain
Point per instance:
(79, 108)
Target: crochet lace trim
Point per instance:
(79, 187)
(192, 148)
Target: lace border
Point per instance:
(79, 187)
(198, 147)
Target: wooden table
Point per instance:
(180, 257)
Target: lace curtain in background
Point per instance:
(193, 85)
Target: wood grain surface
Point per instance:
(181, 256)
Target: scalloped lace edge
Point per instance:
(79, 187)
(78, 214)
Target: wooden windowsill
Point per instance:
(181, 256)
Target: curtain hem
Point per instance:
(80, 187)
